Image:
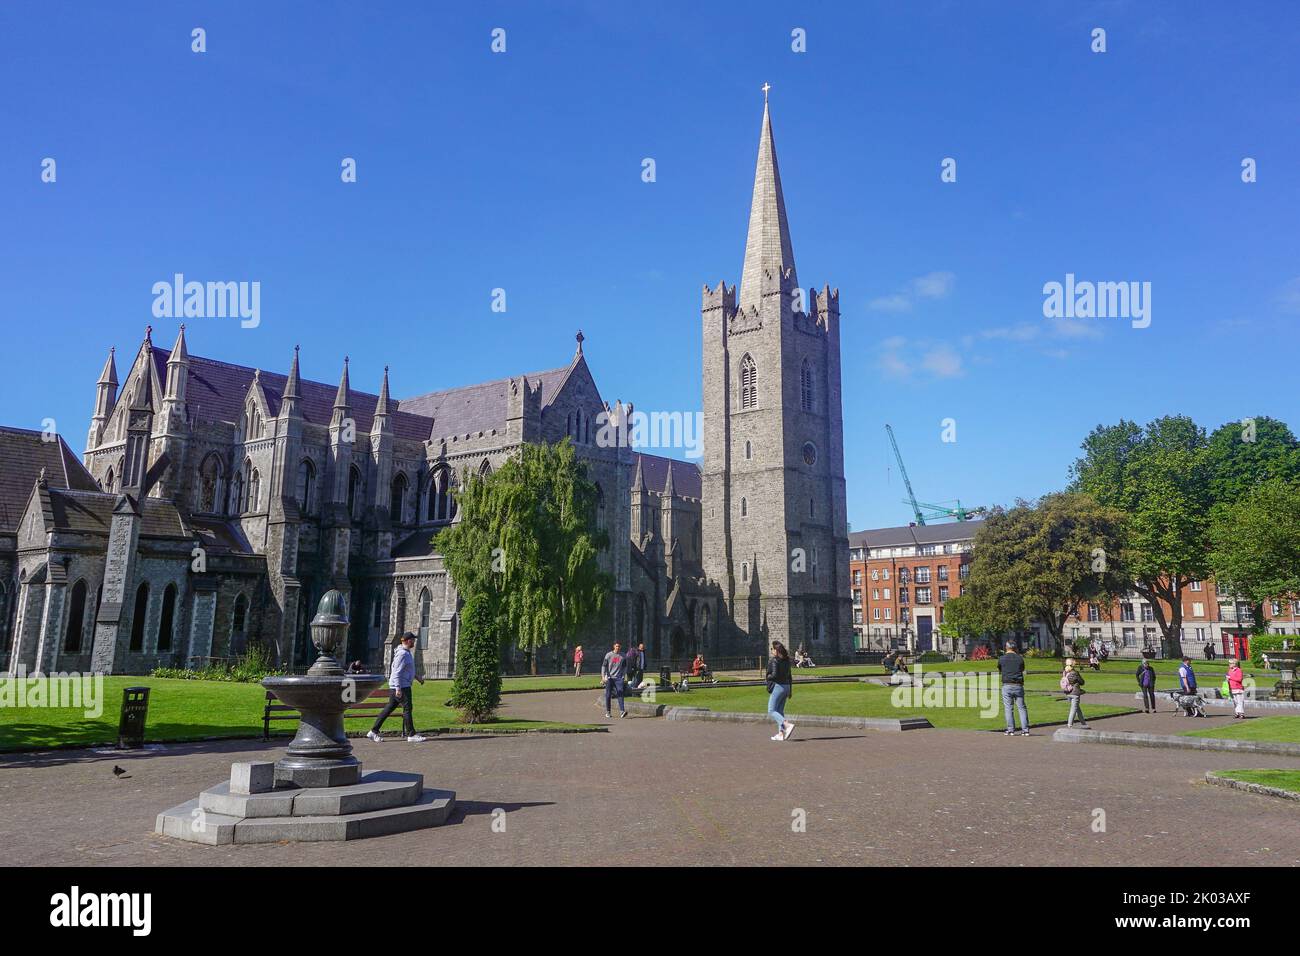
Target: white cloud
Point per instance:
(932, 285)
(942, 362)
(1074, 329)
(1024, 332)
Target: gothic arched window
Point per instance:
(210, 479)
(167, 619)
(137, 617)
(426, 602)
(806, 387)
(744, 507)
(397, 499)
(744, 571)
(76, 619)
(254, 490)
(749, 451)
(748, 383)
(354, 492)
(440, 508)
(239, 625)
(306, 484)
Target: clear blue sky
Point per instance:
(523, 171)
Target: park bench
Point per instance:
(688, 673)
(368, 708)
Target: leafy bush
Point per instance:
(249, 669)
(476, 690)
(1261, 644)
(933, 657)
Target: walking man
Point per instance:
(399, 692)
(1011, 666)
(1187, 676)
(635, 667)
(612, 670)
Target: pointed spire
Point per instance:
(638, 480)
(109, 375)
(381, 406)
(342, 399)
(578, 338)
(669, 491)
(768, 244)
(292, 384)
(180, 354)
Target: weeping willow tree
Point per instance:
(525, 550)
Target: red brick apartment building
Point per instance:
(900, 579)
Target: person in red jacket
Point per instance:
(577, 661)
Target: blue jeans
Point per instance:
(1015, 692)
(776, 704)
(614, 686)
(1075, 711)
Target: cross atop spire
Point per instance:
(768, 245)
(766, 87)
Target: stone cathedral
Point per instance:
(215, 503)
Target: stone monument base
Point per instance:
(256, 807)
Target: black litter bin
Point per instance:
(135, 708)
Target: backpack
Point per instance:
(1065, 681)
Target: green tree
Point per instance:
(1247, 453)
(476, 690)
(1159, 478)
(1041, 562)
(1256, 545)
(527, 543)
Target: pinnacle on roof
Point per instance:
(343, 397)
(109, 375)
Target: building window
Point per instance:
(943, 594)
(306, 485)
(355, 496)
(902, 595)
(1094, 614)
(806, 387)
(963, 572)
(749, 451)
(875, 614)
(1147, 614)
(1195, 585)
(922, 595)
(397, 499)
(1198, 609)
(744, 571)
(76, 619)
(254, 490)
(426, 604)
(857, 577)
(744, 508)
(167, 619)
(886, 594)
(902, 576)
(1130, 637)
(1126, 612)
(209, 485)
(922, 575)
(884, 574)
(748, 383)
(888, 611)
(138, 616)
(942, 572)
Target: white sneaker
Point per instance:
(778, 736)
(417, 739)
(374, 736)
(789, 729)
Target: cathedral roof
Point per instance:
(686, 475)
(476, 408)
(767, 246)
(91, 512)
(24, 454)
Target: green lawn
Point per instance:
(871, 700)
(1281, 779)
(1284, 729)
(191, 710)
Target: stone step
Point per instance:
(430, 810)
(190, 822)
(378, 790)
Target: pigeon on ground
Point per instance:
(118, 772)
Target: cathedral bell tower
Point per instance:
(775, 524)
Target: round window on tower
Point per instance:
(809, 453)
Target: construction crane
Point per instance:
(936, 511)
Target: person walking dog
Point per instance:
(779, 687)
(399, 692)
(1072, 684)
(1237, 686)
(1146, 676)
(1011, 667)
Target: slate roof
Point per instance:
(686, 475)
(475, 408)
(216, 394)
(23, 453)
(91, 512)
(949, 532)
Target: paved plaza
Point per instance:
(652, 791)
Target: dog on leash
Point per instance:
(1189, 705)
